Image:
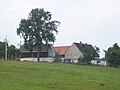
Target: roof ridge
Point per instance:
(62, 46)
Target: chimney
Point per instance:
(86, 44)
(80, 42)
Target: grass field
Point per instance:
(52, 76)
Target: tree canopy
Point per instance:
(89, 54)
(2, 50)
(38, 29)
(13, 52)
(112, 55)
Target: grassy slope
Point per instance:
(48, 76)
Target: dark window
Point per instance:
(33, 54)
(98, 61)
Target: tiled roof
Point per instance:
(82, 46)
(61, 49)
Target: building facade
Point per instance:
(77, 50)
(47, 53)
(73, 53)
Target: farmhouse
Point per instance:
(67, 54)
(60, 51)
(76, 51)
(47, 54)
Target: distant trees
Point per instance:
(13, 52)
(2, 50)
(112, 55)
(38, 29)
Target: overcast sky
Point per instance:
(96, 22)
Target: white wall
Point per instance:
(35, 59)
(51, 52)
(29, 59)
(101, 62)
(73, 53)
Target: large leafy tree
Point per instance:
(38, 29)
(112, 55)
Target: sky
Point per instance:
(95, 22)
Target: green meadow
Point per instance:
(15, 75)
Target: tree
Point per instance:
(38, 29)
(13, 52)
(112, 55)
(89, 54)
(97, 49)
(2, 50)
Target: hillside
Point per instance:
(51, 76)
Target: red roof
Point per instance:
(61, 49)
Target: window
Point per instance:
(98, 61)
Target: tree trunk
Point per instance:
(46, 45)
(38, 53)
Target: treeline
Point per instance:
(112, 55)
(12, 51)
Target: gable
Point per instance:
(73, 53)
(61, 49)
